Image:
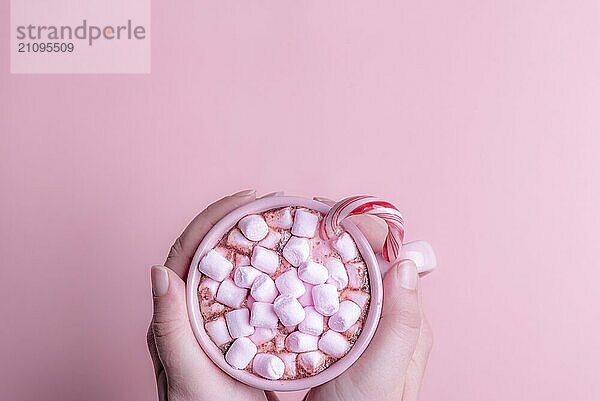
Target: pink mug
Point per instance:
(419, 251)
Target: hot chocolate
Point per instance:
(280, 301)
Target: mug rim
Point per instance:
(216, 355)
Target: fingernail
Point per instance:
(277, 193)
(244, 193)
(407, 274)
(160, 280)
(322, 199)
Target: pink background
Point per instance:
(479, 118)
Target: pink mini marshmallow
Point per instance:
(306, 298)
(254, 227)
(281, 218)
(312, 323)
(271, 241)
(210, 287)
(337, 273)
(263, 289)
(305, 223)
(301, 342)
(236, 240)
(262, 335)
(241, 353)
(345, 317)
(249, 301)
(289, 283)
(268, 366)
(244, 276)
(325, 298)
(289, 360)
(238, 323)
(353, 330)
(215, 265)
(289, 310)
(264, 259)
(230, 294)
(312, 361)
(217, 331)
(279, 342)
(212, 309)
(334, 344)
(242, 260)
(358, 297)
(296, 251)
(357, 274)
(345, 247)
(313, 272)
(263, 315)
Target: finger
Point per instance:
(175, 343)
(385, 362)
(324, 200)
(271, 396)
(401, 314)
(153, 352)
(159, 371)
(182, 251)
(418, 363)
(270, 194)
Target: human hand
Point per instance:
(393, 365)
(183, 371)
(391, 368)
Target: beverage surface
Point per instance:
(280, 301)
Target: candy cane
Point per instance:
(363, 204)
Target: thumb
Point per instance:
(381, 370)
(384, 364)
(401, 317)
(175, 342)
(401, 310)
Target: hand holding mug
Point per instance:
(391, 368)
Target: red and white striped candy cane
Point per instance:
(363, 204)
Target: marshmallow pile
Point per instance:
(280, 301)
